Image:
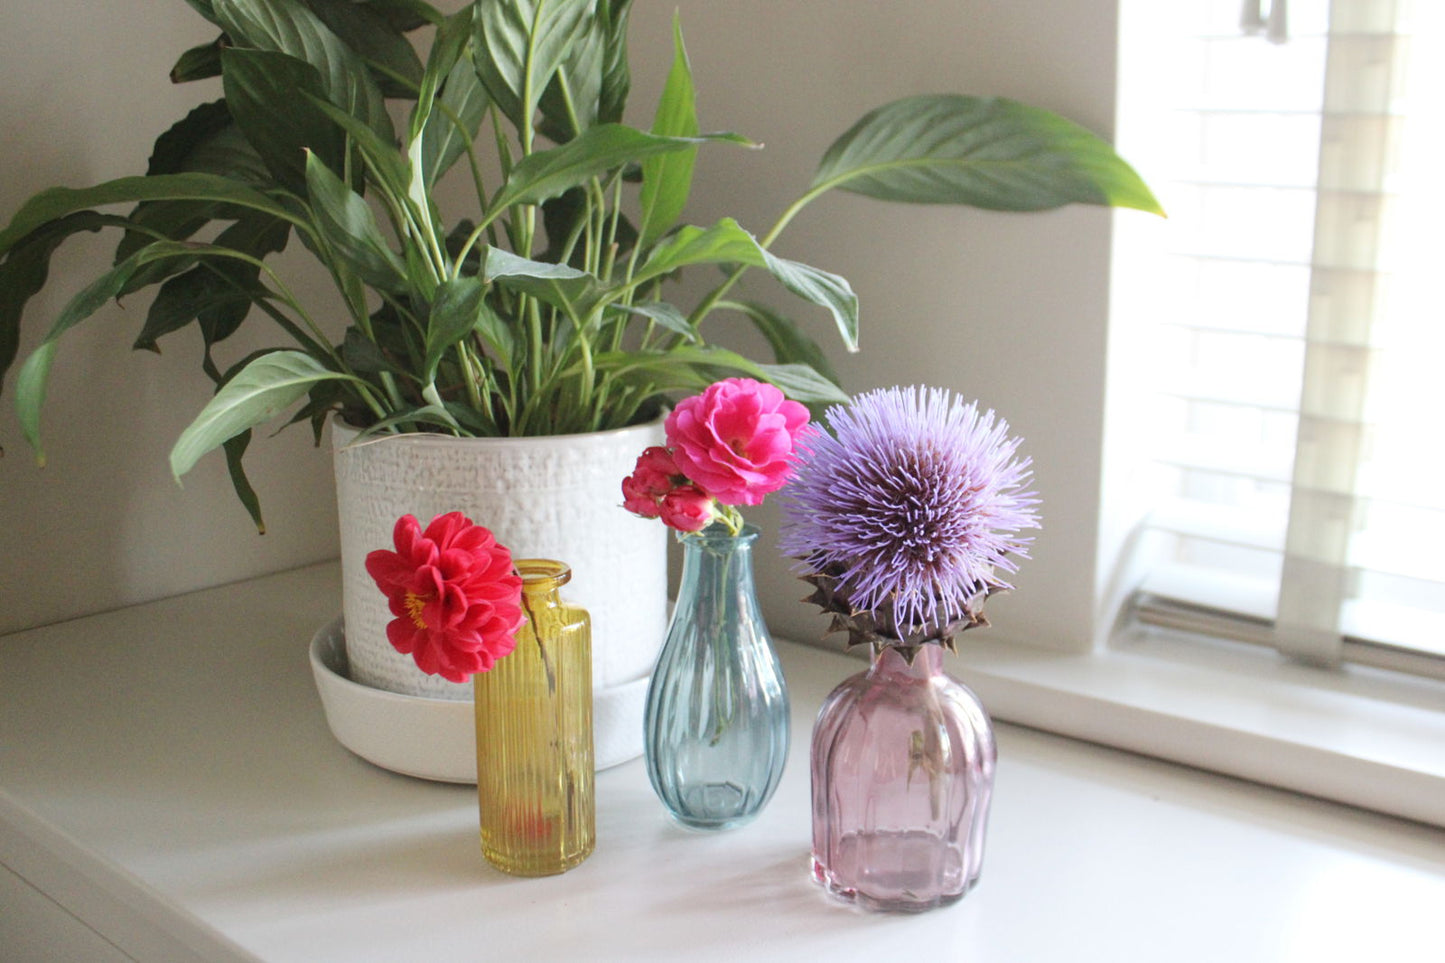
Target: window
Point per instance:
(1295, 321)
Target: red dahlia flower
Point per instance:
(456, 598)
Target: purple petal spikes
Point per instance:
(912, 501)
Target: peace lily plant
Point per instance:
(542, 307)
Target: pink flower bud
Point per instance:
(687, 508)
(656, 472)
(637, 499)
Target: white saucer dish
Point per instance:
(436, 738)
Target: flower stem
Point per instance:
(716, 294)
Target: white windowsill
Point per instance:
(169, 791)
(1361, 736)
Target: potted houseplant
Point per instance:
(540, 310)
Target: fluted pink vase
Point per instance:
(902, 766)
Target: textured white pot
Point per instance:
(546, 497)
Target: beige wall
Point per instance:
(1009, 309)
(84, 94)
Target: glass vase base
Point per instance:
(901, 872)
(716, 806)
(549, 864)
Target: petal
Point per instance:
(411, 544)
(387, 569)
(443, 528)
(402, 634)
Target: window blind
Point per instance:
(1297, 422)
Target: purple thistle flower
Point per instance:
(912, 501)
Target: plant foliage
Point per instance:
(542, 308)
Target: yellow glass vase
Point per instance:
(534, 735)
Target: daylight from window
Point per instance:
(1291, 325)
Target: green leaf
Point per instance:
(205, 9)
(35, 372)
(235, 451)
(727, 243)
(790, 345)
(345, 220)
(205, 140)
(802, 383)
(436, 416)
(667, 179)
(696, 367)
(30, 385)
(454, 314)
(437, 407)
(831, 291)
(181, 300)
(258, 393)
(34, 376)
(175, 220)
(198, 63)
(616, 74)
(395, 177)
(57, 202)
(689, 368)
(360, 353)
(595, 73)
(289, 27)
(519, 46)
(448, 45)
(453, 122)
(723, 243)
(208, 141)
(218, 295)
(575, 291)
(387, 167)
(24, 272)
(406, 15)
(450, 75)
(595, 151)
(569, 104)
(380, 44)
(989, 153)
(254, 238)
(268, 95)
(175, 148)
(497, 335)
(665, 315)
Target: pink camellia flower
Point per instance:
(687, 508)
(735, 439)
(455, 595)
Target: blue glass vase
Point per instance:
(717, 708)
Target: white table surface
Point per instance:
(167, 779)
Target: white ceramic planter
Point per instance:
(547, 497)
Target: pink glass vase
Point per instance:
(902, 764)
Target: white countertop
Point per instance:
(168, 781)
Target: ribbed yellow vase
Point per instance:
(534, 735)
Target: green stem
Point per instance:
(716, 294)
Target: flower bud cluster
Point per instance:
(730, 445)
(656, 489)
